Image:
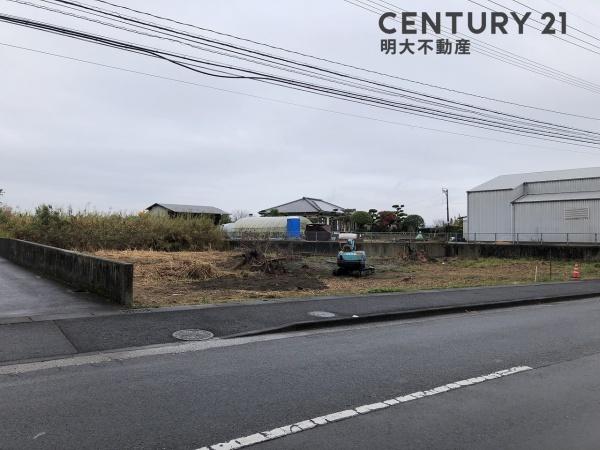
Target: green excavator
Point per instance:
(351, 261)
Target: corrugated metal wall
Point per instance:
(553, 187)
(546, 221)
(490, 215)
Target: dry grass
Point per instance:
(177, 278)
(152, 266)
(90, 231)
(394, 276)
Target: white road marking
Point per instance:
(298, 427)
(39, 435)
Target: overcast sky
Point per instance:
(74, 134)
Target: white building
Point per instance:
(556, 206)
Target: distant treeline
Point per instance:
(89, 231)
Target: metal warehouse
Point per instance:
(556, 206)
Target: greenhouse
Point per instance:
(281, 227)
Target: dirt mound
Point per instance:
(259, 282)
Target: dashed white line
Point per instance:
(39, 435)
(308, 424)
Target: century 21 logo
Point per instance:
(498, 22)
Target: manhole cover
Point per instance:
(192, 335)
(321, 314)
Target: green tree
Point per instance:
(361, 219)
(400, 215)
(273, 212)
(374, 215)
(456, 224)
(412, 223)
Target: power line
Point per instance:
(122, 16)
(595, 25)
(378, 102)
(274, 47)
(559, 132)
(562, 38)
(258, 97)
(497, 53)
(503, 54)
(571, 27)
(348, 84)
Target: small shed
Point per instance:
(191, 211)
(317, 232)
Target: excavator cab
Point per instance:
(351, 261)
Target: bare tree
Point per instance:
(238, 214)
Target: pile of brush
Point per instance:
(258, 261)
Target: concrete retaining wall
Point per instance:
(324, 248)
(110, 279)
(438, 249)
(331, 248)
(540, 251)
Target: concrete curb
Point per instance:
(409, 314)
(256, 303)
(261, 302)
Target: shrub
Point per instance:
(94, 231)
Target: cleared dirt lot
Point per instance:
(178, 278)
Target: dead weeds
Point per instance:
(177, 278)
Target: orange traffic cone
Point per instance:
(576, 275)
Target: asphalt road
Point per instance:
(109, 329)
(198, 398)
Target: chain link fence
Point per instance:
(527, 238)
(408, 237)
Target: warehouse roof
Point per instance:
(188, 209)
(306, 205)
(514, 180)
(561, 196)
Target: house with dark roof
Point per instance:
(175, 210)
(314, 209)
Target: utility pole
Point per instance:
(445, 192)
